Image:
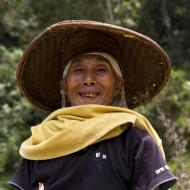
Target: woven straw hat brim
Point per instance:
(144, 64)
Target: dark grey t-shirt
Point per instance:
(130, 161)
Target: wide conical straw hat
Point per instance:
(144, 64)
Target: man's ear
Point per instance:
(63, 86)
(118, 86)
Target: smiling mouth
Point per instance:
(89, 95)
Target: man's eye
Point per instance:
(101, 70)
(77, 70)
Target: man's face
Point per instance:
(91, 80)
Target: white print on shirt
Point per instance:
(104, 156)
(101, 155)
(158, 171)
(41, 186)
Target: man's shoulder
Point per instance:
(135, 133)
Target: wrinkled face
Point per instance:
(91, 80)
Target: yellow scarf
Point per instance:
(71, 129)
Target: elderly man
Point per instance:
(92, 140)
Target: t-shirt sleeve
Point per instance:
(21, 178)
(150, 169)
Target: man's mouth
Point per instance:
(89, 95)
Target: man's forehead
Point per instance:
(103, 58)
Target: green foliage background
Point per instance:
(166, 21)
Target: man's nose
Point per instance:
(89, 79)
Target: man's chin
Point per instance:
(85, 101)
(89, 102)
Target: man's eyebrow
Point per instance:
(76, 63)
(104, 65)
